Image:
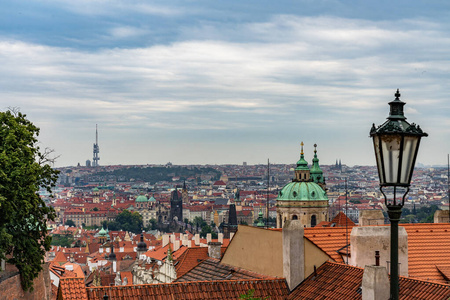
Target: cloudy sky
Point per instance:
(225, 81)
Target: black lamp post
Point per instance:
(396, 143)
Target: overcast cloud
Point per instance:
(206, 82)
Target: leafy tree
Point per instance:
(64, 240)
(95, 209)
(249, 296)
(127, 221)
(70, 223)
(24, 169)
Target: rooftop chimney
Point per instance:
(371, 217)
(214, 250)
(293, 253)
(165, 240)
(364, 241)
(176, 245)
(197, 239)
(375, 283)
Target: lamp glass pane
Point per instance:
(409, 151)
(390, 147)
(376, 145)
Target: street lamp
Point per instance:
(396, 143)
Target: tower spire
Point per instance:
(316, 171)
(302, 170)
(96, 151)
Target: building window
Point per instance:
(313, 221)
(294, 217)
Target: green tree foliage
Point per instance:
(155, 174)
(63, 240)
(249, 296)
(24, 169)
(70, 223)
(127, 221)
(424, 214)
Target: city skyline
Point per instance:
(207, 82)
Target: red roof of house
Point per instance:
(190, 259)
(339, 281)
(341, 220)
(72, 289)
(226, 289)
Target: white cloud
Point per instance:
(326, 73)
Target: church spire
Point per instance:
(302, 170)
(316, 171)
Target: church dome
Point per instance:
(152, 199)
(302, 191)
(141, 198)
(102, 232)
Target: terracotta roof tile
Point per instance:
(329, 239)
(275, 289)
(428, 246)
(341, 220)
(212, 269)
(72, 289)
(338, 281)
(190, 258)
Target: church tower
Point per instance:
(304, 198)
(176, 206)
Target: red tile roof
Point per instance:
(212, 269)
(228, 289)
(338, 281)
(72, 289)
(329, 239)
(341, 220)
(190, 259)
(428, 248)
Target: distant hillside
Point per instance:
(155, 174)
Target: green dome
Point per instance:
(302, 191)
(102, 232)
(95, 189)
(141, 198)
(152, 199)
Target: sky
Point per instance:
(223, 82)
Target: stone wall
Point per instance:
(11, 288)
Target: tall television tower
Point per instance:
(96, 149)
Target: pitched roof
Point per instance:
(72, 289)
(341, 220)
(339, 281)
(428, 246)
(329, 239)
(212, 269)
(190, 259)
(228, 289)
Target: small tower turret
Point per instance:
(141, 246)
(316, 171)
(302, 172)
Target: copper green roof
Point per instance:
(302, 191)
(95, 189)
(316, 172)
(102, 232)
(152, 199)
(302, 164)
(141, 198)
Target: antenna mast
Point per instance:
(96, 149)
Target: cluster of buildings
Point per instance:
(311, 250)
